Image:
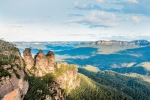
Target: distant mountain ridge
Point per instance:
(121, 43)
(99, 42)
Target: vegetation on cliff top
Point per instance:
(63, 69)
(8, 56)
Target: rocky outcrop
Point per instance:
(69, 80)
(14, 88)
(51, 61)
(28, 58)
(121, 43)
(44, 63)
(13, 85)
(64, 76)
(41, 64)
(57, 92)
(67, 76)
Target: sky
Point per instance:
(74, 20)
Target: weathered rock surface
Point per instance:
(44, 63)
(57, 92)
(28, 58)
(13, 86)
(69, 80)
(41, 64)
(67, 76)
(51, 61)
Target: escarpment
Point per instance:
(13, 85)
(120, 43)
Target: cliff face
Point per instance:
(56, 90)
(121, 43)
(69, 80)
(14, 88)
(12, 83)
(67, 76)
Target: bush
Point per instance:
(18, 66)
(49, 78)
(4, 73)
(16, 73)
(33, 68)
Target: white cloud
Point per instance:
(133, 1)
(97, 19)
(15, 32)
(136, 19)
(77, 4)
(100, 0)
(117, 1)
(11, 32)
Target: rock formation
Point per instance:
(65, 74)
(28, 58)
(41, 64)
(51, 60)
(57, 92)
(13, 85)
(69, 80)
(14, 88)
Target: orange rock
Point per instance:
(14, 95)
